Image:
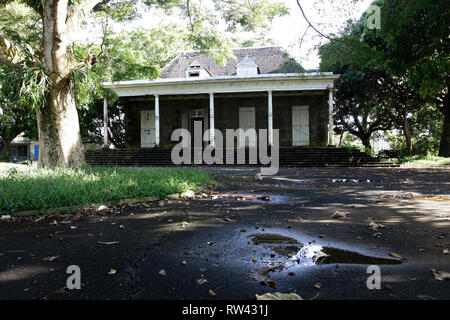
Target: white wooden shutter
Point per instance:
(300, 126)
(148, 139)
(247, 121)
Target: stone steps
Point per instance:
(289, 157)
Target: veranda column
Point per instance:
(330, 116)
(270, 119)
(157, 120)
(211, 118)
(105, 123)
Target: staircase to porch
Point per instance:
(289, 157)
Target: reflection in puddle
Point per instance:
(272, 238)
(338, 180)
(318, 255)
(324, 180)
(259, 198)
(314, 254)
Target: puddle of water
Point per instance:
(318, 255)
(314, 254)
(259, 198)
(272, 238)
(338, 180)
(287, 251)
(326, 180)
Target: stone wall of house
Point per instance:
(227, 115)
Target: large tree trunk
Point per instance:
(365, 139)
(444, 147)
(4, 150)
(406, 132)
(59, 129)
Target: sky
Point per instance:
(288, 30)
(326, 15)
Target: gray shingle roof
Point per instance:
(268, 59)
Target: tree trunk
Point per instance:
(444, 147)
(4, 151)
(366, 141)
(407, 133)
(58, 125)
(59, 130)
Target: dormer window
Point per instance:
(195, 70)
(247, 68)
(193, 74)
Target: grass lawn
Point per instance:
(25, 187)
(421, 161)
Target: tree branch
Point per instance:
(310, 24)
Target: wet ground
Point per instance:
(247, 237)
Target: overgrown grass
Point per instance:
(26, 188)
(420, 160)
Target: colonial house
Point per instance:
(263, 88)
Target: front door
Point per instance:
(300, 126)
(247, 121)
(148, 139)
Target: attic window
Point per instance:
(247, 68)
(195, 70)
(194, 74)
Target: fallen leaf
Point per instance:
(50, 258)
(440, 275)
(112, 271)
(201, 281)
(318, 285)
(339, 214)
(376, 226)
(278, 296)
(396, 255)
(212, 293)
(183, 263)
(162, 272)
(102, 208)
(108, 242)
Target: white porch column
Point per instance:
(330, 116)
(270, 119)
(157, 120)
(105, 123)
(211, 119)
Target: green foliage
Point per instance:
(423, 160)
(30, 188)
(21, 25)
(250, 14)
(422, 54)
(141, 53)
(137, 54)
(389, 77)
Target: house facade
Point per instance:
(261, 89)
